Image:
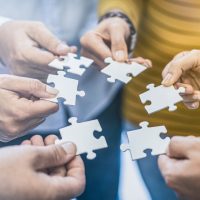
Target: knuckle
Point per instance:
(58, 154)
(86, 37)
(12, 130)
(35, 85)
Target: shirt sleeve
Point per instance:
(132, 8)
(3, 20)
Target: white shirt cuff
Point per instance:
(3, 20)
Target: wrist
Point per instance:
(132, 31)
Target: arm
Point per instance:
(132, 8)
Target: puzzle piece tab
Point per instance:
(146, 138)
(161, 97)
(67, 88)
(82, 135)
(122, 71)
(74, 64)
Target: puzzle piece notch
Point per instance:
(123, 72)
(73, 64)
(146, 138)
(161, 97)
(67, 88)
(82, 135)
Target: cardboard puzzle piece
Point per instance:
(161, 97)
(67, 88)
(74, 64)
(146, 138)
(82, 135)
(122, 71)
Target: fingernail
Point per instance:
(62, 49)
(52, 91)
(167, 79)
(69, 148)
(120, 55)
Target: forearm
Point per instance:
(132, 8)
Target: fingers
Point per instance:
(37, 140)
(180, 147)
(58, 171)
(53, 156)
(191, 97)
(27, 86)
(39, 108)
(40, 34)
(171, 168)
(118, 45)
(94, 42)
(176, 67)
(74, 183)
(26, 142)
(142, 61)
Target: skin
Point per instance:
(28, 180)
(37, 140)
(26, 108)
(104, 41)
(27, 47)
(184, 70)
(180, 167)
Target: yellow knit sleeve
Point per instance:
(132, 8)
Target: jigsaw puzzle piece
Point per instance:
(122, 71)
(146, 138)
(67, 87)
(82, 134)
(161, 97)
(72, 62)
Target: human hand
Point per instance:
(21, 107)
(37, 140)
(181, 166)
(184, 71)
(108, 39)
(23, 177)
(28, 47)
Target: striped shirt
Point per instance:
(165, 28)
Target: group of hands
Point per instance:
(26, 49)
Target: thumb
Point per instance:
(53, 155)
(176, 67)
(27, 86)
(40, 34)
(118, 46)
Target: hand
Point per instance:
(23, 178)
(184, 71)
(108, 39)
(181, 166)
(37, 140)
(21, 107)
(28, 47)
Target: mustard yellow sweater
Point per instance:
(165, 28)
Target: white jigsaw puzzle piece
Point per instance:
(82, 135)
(122, 71)
(146, 138)
(72, 62)
(67, 88)
(161, 97)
